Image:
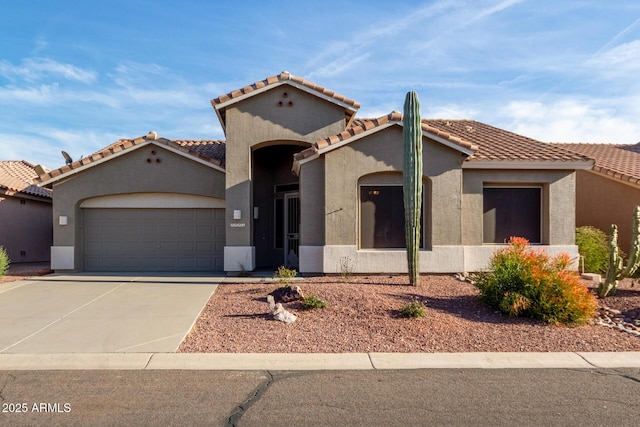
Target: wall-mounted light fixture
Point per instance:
(237, 214)
(63, 220)
(255, 212)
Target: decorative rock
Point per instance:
(622, 321)
(591, 277)
(278, 312)
(287, 294)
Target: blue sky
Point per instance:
(78, 75)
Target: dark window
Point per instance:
(284, 188)
(382, 217)
(511, 212)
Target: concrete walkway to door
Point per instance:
(91, 313)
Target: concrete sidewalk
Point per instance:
(314, 361)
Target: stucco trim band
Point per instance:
(239, 258)
(153, 200)
(62, 257)
(440, 259)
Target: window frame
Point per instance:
(541, 189)
(359, 219)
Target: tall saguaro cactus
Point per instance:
(616, 270)
(412, 175)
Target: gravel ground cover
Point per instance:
(364, 316)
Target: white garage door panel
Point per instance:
(153, 239)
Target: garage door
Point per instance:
(153, 239)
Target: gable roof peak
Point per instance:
(221, 103)
(208, 152)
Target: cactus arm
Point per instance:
(633, 262)
(412, 180)
(614, 267)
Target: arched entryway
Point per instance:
(276, 204)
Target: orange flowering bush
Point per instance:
(526, 282)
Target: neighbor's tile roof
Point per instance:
(16, 176)
(283, 77)
(620, 161)
(495, 144)
(212, 151)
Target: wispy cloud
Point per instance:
(339, 55)
(623, 58)
(573, 120)
(491, 10)
(617, 37)
(36, 69)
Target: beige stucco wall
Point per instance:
(25, 228)
(129, 173)
(453, 206)
(374, 159)
(558, 206)
(260, 120)
(602, 201)
(312, 199)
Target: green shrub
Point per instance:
(413, 309)
(592, 245)
(4, 262)
(311, 301)
(523, 282)
(284, 275)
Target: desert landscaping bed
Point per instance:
(364, 316)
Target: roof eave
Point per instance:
(528, 164)
(616, 176)
(464, 150)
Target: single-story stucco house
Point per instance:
(609, 192)
(301, 181)
(25, 210)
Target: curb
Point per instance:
(316, 361)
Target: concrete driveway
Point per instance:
(84, 313)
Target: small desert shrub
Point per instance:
(592, 245)
(523, 282)
(413, 309)
(4, 262)
(346, 269)
(311, 301)
(284, 275)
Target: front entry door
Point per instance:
(291, 229)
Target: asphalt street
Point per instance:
(438, 397)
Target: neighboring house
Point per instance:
(609, 192)
(25, 213)
(301, 181)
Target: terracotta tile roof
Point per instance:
(220, 103)
(363, 125)
(17, 176)
(488, 143)
(211, 151)
(495, 144)
(619, 161)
